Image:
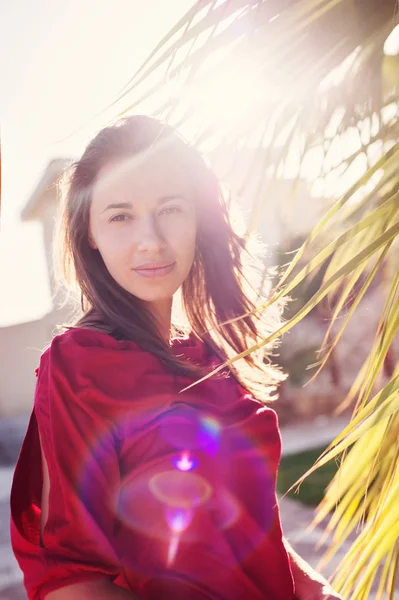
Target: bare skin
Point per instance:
(99, 589)
(138, 220)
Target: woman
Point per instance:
(128, 484)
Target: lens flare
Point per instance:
(227, 510)
(184, 462)
(179, 427)
(172, 550)
(178, 519)
(211, 425)
(196, 470)
(209, 434)
(180, 489)
(187, 428)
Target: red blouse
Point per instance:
(170, 495)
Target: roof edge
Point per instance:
(55, 168)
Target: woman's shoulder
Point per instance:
(92, 371)
(78, 350)
(87, 340)
(85, 337)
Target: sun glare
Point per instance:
(227, 96)
(391, 46)
(24, 275)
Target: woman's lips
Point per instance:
(156, 271)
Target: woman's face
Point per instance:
(142, 221)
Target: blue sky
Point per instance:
(61, 62)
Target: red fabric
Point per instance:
(168, 494)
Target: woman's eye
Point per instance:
(169, 210)
(119, 218)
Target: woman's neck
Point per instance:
(162, 313)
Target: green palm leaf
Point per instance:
(327, 77)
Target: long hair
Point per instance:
(219, 287)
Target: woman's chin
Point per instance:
(154, 296)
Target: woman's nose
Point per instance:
(148, 236)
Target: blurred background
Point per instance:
(295, 105)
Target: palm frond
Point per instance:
(321, 83)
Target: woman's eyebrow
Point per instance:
(164, 199)
(118, 205)
(161, 200)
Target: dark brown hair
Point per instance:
(219, 287)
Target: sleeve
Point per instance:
(73, 415)
(256, 446)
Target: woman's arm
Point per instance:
(74, 419)
(309, 584)
(98, 589)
